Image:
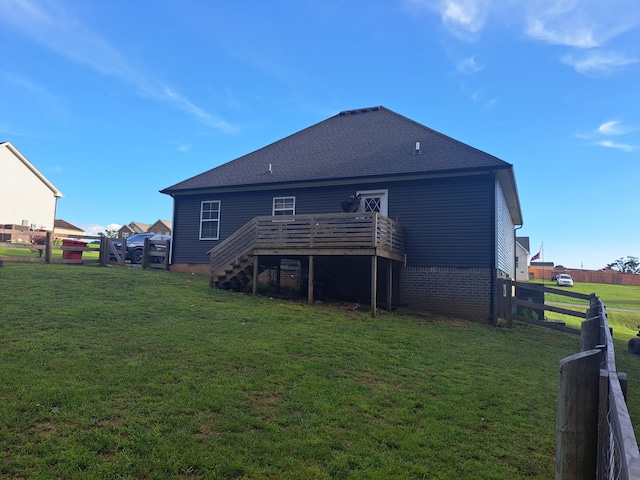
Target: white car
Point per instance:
(564, 280)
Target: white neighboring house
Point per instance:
(27, 198)
(522, 259)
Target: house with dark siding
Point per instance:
(391, 211)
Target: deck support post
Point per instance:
(310, 286)
(256, 267)
(389, 282)
(374, 284)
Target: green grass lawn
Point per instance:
(24, 251)
(623, 323)
(127, 373)
(622, 302)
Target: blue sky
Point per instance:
(115, 100)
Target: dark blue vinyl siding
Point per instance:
(447, 221)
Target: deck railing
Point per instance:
(329, 233)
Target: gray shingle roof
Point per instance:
(364, 143)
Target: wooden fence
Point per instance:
(529, 305)
(594, 434)
(155, 254)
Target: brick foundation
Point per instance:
(457, 292)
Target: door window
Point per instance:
(374, 201)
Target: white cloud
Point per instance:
(463, 18)
(608, 129)
(467, 15)
(50, 25)
(615, 128)
(469, 66)
(618, 146)
(491, 103)
(598, 62)
(35, 91)
(576, 24)
(577, 36)
(580, 23)
(93, 229)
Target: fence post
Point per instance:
(577, 417)
(590, 333)
(105, 245)
(145, 253)
(48, 249)
(123, 254)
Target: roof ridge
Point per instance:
(359, 110)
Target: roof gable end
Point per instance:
(364, 143)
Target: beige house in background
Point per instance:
(27, 198)
(522, 259)
(160, 227)
(63, 229)
(131, 229)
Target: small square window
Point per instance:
(284, 206)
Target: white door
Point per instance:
(374, 201)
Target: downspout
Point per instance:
(55, 212)
(515, 270)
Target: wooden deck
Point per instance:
(369, 234)
(236, 260)
(335, 234)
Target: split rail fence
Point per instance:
(155, 254)
(594, 434)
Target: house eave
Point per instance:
(332, 181)
(508, 182)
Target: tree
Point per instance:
(630, 265)
(108, 233)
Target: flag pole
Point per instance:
(543, 265)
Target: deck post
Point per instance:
(310, 286)
(256, 267)
(374, 284)
(389, 282)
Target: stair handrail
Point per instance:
(237, 245)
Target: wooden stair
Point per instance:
(236, 276)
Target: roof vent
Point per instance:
(417, 151)
(270, 169)
(360, 110)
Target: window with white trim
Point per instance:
(284, 206)
(374, 201)
(210, 220)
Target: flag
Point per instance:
(537, 255)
